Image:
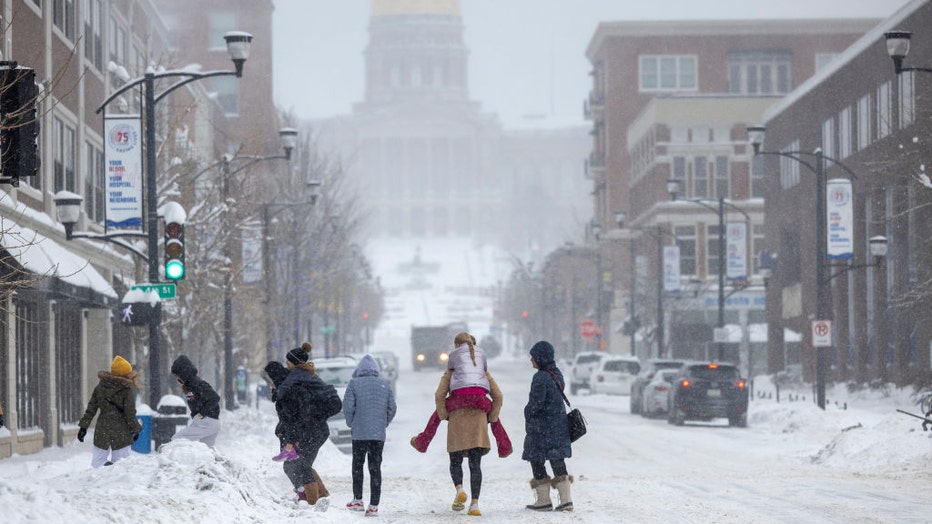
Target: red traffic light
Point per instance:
(524, 314)
(365, 316)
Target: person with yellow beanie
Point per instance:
(117, 428)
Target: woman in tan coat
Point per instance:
(467, 437)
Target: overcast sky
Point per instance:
(527, 57)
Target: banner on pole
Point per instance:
(840, 218)
(123, 160)
(736, 251)
(252, 255)
(671, 268)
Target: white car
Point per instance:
(337, 372)
(615, 375)
(655, 397)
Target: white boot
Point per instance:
(541, 488)
(562, 485)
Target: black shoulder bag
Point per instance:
(574, 419)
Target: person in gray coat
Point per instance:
(369, 407)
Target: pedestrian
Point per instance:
(117, 428)
(469, 387)
(274, 374)
(547, 436)
(369, 407)
(203, 401)
(308, 403)
(467, 437)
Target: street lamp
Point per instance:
(674, 186)
(756, 138)
(898, 48)
(238, 46)
(289, 139)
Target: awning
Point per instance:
(43, 256)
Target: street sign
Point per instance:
(821, 333)
(165, 291)
(587, 329)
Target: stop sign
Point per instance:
(588, 329)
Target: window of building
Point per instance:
(94, 183)
(679, 170)
(823, 59)
(721, 176)
(462, 167)
(757, 244)
(789, 168)
(93, 43)
(418, 180)
(828, 138)
(757, 177)
(440, 167)
(759, 72)
(63, 142)
(864, 122)
(700, 177)
(227, 88)
(668, 73)
(220, 23)
(711, 252)
(30, 328)
(907, 99)
(844, 133)
(117, 42)
(63, 17)
(884, 110)
(68, 358)
(686, 240)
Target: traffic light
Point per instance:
(174, 250)
(19, 125)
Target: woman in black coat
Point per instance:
(547, 435)
(307, 403)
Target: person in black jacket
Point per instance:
(307, 403)
(203, 402)
(117, 428)
(274, 374)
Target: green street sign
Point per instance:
(326, 330)
(165, 291)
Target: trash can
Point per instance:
(172, 413)
(143, 444)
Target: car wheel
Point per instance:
(740, 421)
(677, 417)
(635, 403)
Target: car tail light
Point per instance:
(660, 387)
(600, 378)
(713, 366)
(685, 383)
(741, 384)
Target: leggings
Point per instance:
(372, 448)
(475, 469)
(540, 472)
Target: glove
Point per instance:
(81, 433)
(135, 436)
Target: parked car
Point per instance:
(708, 390)
(615, 375)
(656, 394)
(388, 364)
(648, 369)
(584, 365)
(338, 371)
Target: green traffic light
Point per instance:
(174, 269)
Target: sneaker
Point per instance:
(286, 455)
(372, 511)
(354, 505)
(474, 510)
(322, 505)
(459, 502)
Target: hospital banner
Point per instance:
(123, 162)
(839, 218)
(736, 253)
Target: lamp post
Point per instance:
(674, 187)
(238, 45)
(756, 137)
(599, 279)
(898, 48)
(289, 139)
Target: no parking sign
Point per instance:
(821, 333)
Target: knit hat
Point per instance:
(296, 356)
(120, 367)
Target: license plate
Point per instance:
(714, 392)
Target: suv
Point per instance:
(338, 371)
(650, 367)
(615, 374)
(707, 390)
(584, 365)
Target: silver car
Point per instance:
(337, 372)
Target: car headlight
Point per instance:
(420, 357)
(444, 357)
